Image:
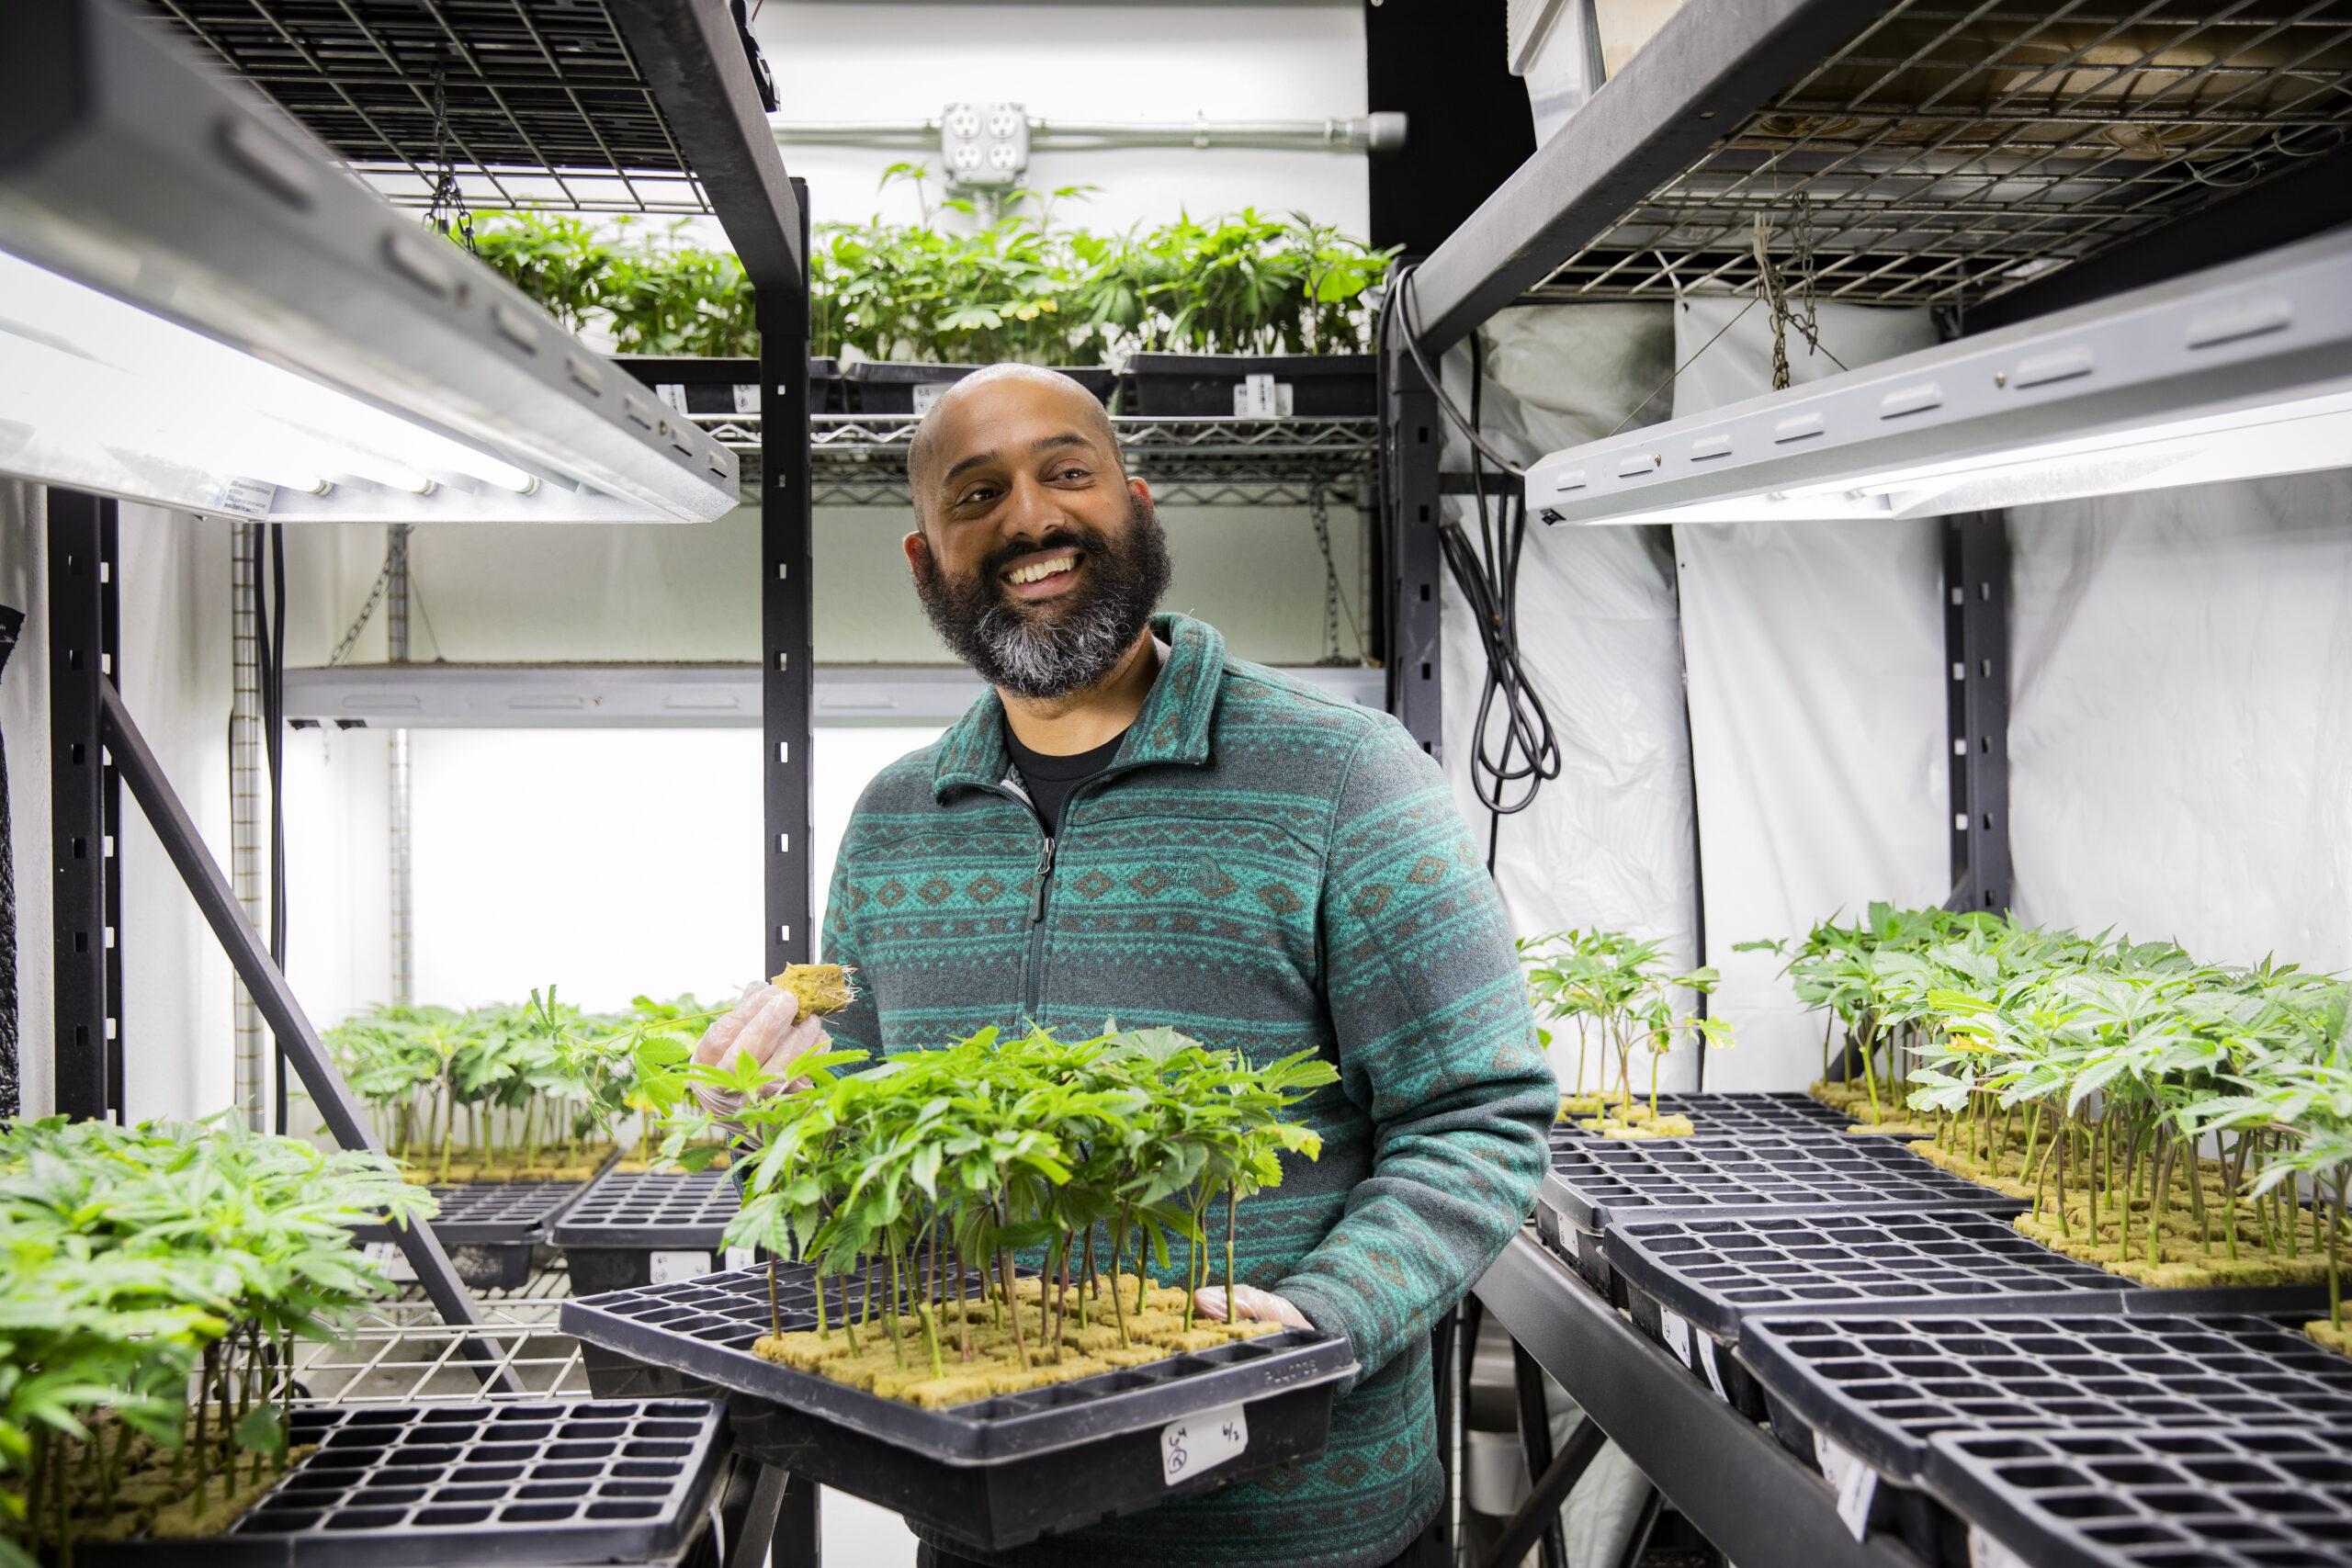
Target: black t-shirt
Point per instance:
(1050, 779)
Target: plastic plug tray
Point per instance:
(2182, 1496)
(420, 1487)
(491, 1213)
(1882, 1387)
(1596, 1183)
(615, 1232)
(997, 1471)
(1728, 1116)
(1713, 1273)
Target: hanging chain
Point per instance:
(375, 597)
(1776, 284)
(446, 211)
(1319, 512)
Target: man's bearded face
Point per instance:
(1050, 648)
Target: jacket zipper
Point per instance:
(1034, 974)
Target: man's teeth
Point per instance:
(1042, 570)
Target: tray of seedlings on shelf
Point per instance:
(490, 1227)
(2183, 1497)
(1594, 1184)
(420, 1487)
(1880, 1387)
(644, 1227)
(996, 1468)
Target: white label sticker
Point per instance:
(1707, 1354)
(388, 1257)
(1855, 1483)
(741, 1257)
(669, 1266)
(247, 498)
(1676, 1335)
(1984, 1552)
(1202, 1442)
(928, 393)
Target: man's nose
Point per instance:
(1032, 510)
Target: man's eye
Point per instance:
(1074, 472)
(977, 493)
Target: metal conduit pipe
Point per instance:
(1382, 132)
(244, 804)
(396, 636)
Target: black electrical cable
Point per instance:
(270, 610)
(1504, 779)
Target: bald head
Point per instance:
(972, 420)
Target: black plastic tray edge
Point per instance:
(493, 1544)
(619, 1239)
(1570, 1205)
(477, 1234)
(939, 1435)
(1991, 1510)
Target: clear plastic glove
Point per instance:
(1254, 1304)
(758, 1026)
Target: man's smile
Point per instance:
(1043, 575)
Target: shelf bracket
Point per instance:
(1976, 654)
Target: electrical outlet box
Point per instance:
(984, 144)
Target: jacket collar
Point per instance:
(1172, 727)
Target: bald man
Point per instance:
(1132, 823)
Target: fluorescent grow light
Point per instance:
(2234, 373)
(198, 310)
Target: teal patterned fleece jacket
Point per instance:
(1267, 868)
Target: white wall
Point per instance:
(874, 60)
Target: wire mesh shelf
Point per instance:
(861, 459)
(524, 105)
(1953, 152)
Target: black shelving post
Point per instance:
(85, 806)
(1410, 441)
(787, 627)
(1977, 650)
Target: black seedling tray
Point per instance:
(1726, 1116)
(997, 1471)
(1881, 1387)
(1716, 1272)
(418, 1486)
(491, 1213)
(1597, 1182)
(610, 1235)
(2183, 1497)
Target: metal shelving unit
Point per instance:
(1725, 1473)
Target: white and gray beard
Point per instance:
(1052, 659)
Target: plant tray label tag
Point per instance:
(741, 1258)
(1984, 1552)
(1677, 1334)
(1855, 1483)
(1202, 1442)
(671, 1265)
(388, 1257)
(1707, 1354)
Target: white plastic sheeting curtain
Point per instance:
(2180, 725)
(1608, 843)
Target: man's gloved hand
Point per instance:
(1254, 1304)
(759, 1026)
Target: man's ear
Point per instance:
(918, 549)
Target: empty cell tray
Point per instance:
(1729, 1115)
(1713, 1273)
(418, 1486)
(2183, 1496)
(997, 1471)
(611, 1234)
(1595, 1183)
(1882, 1387)
(491, 1213)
